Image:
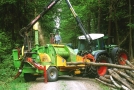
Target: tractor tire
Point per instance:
(94, 72)
(29, 77)
(91, 72)
(121, 56)
(52, 74)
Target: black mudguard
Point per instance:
(99, 52)
(113, 53)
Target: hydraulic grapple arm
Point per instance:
(87, 36)
(46, 9)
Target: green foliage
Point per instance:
(5, 46)
(131, 25)
(19, 13)
(6, 69)
(7, 73)
(7, 1)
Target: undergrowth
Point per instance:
(7, 73)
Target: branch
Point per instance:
(124, 39)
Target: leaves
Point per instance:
(18, 13)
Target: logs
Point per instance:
(120, 76)
(118, 79)
(101, 64)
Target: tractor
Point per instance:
(101, 50)
(53, 60)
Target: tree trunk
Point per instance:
(99, 15)
(114, 10)
(109, 22)
(130, 31)
(116, 29)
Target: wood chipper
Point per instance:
(49, 60)
(53, 60)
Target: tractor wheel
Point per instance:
(91, 72)
(29, 77)
(121, 56)
(101, 70)
(52, 74)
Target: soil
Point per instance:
(66, 83)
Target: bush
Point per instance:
(7, 73)
(5, 46)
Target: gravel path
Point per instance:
(65, 83)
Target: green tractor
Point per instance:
(100, 47)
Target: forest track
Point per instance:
(66, 83)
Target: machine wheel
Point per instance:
(52, 74)
(92, 72)
(121, 56)
(99, 71)
(29, 77)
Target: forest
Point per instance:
(110, 17)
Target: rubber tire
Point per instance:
(52, 74)
(93, 71)
(29, 77)
(120, 52)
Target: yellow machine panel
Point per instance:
(79, 58)
(44, 57)
(61, 61)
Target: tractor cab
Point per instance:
(99, 42)
(96, 43)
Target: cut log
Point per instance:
(128, 63)
(101, 64)
(107, 76)
(124, 75)
(130, 73)
(111, 85)
(116, 84)
(105, 79)
(117, 77)
(124, 87)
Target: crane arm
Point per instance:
(46, 9)
(87, 36)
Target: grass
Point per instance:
(8, 83)
(7, 73)
(18, 84)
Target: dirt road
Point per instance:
(66, 83)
